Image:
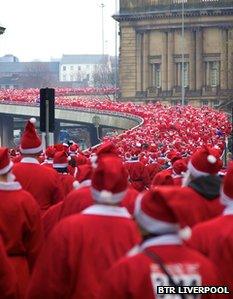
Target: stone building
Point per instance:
(151, 50)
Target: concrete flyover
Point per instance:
(86, 116)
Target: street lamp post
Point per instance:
(102, 8)
(183, 88)
(116, 51)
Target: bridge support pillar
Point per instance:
(93, 135)
(6, 130)
(57, 131)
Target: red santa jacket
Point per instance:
(139, 177)
(8, 286)
(42, 182)
(21, 229)
(214, 238)
(124, 280)
(76, 202)
(66, 182)
(152, 169)
(86, 245)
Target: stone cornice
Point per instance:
(191, 26)
(167, 14)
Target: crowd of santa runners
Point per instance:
(150, 207)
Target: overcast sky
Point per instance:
(41, 29)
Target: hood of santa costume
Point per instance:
(207, 186)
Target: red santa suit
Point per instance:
(124, 280)
(77, 268)
(23, 236)
(187, 267)
(214, 238)
(20, 223)
(139, 177)
(42, 182)
(8, 286)
(198, 200)
(76, 202)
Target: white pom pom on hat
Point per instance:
(211, 159)
(32, 120)
(76, 184)
(106, 195)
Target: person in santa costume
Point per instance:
(214, 238)
(42, 182)
(139, 273)
(179, 167)
(49, 155)
(82, 198)
(20, 223)
(197, 200)
(8, 281)
(89, 243)
(60, 164)
(138, 173)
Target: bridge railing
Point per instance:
(134, 117)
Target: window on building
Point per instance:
(87, 66)
(212, 73)
(71, 77)
(204, 102)
(71, 67)
(64, 68)
(64, 77)
(179, 74)
(79, 68)
(216, 103)
(156, 75)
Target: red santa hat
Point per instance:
(205, 161)
(73, 149)
(163, 178)
(50, 152)
(226, 196)
(109, 180)
(30, 142)
(60, 160)
(179, 166)
(5, 163)
(153, 213)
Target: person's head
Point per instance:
(109, 180)
(60, 161)
(153, 213)
(204, 162)
(30, 143)
(5, 166)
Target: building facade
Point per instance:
(151, 50)
(81, 68)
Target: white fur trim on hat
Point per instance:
(58, 165)
(224, 199)
(211, 159)
(32, 120)
(33, 150)
(194, 172)
(105, 196)
(6, 168)
(150, 224)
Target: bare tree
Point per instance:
(38, 75)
